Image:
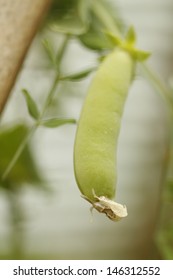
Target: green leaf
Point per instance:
(116, 40)
(69, 17)
(131, 36)
(55, 122)
(140, 55)
(128, 45)
(95, 39)
(25, 170)
(49, 50)
(78, 76)
(103, 17)
(32, 107)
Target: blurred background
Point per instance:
(42, 215)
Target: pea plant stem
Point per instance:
(103, 15)
(57, 77)
(49, 97)
(157, 84)
(17, 218)
(18, 152)
(45, 106)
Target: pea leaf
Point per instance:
(116, 40)
(55, 122)
(103, 17)
(49, 50)
(69, 17)
(95, 39)
(78, 76)
(131, 36)
(32, 107)
(140, 55)
(25, 170)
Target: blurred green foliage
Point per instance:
(69, 17)
(85, 20)
(25, 169)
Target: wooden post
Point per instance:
(19, 21)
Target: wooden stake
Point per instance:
(19, 21)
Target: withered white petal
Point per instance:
(112, 209)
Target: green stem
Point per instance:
(49, 97)
(17, 234)
(63, 48)
(57, 78)
(18, 152)
(45, 106)
(104, 16)
(157, 84)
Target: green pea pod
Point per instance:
(98, 130)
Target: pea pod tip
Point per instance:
(113, 210)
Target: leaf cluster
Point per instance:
(84, 20)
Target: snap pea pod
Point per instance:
(98, 130)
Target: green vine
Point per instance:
(42, 113)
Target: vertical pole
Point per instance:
(19, 21)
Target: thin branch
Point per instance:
(45, 106)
